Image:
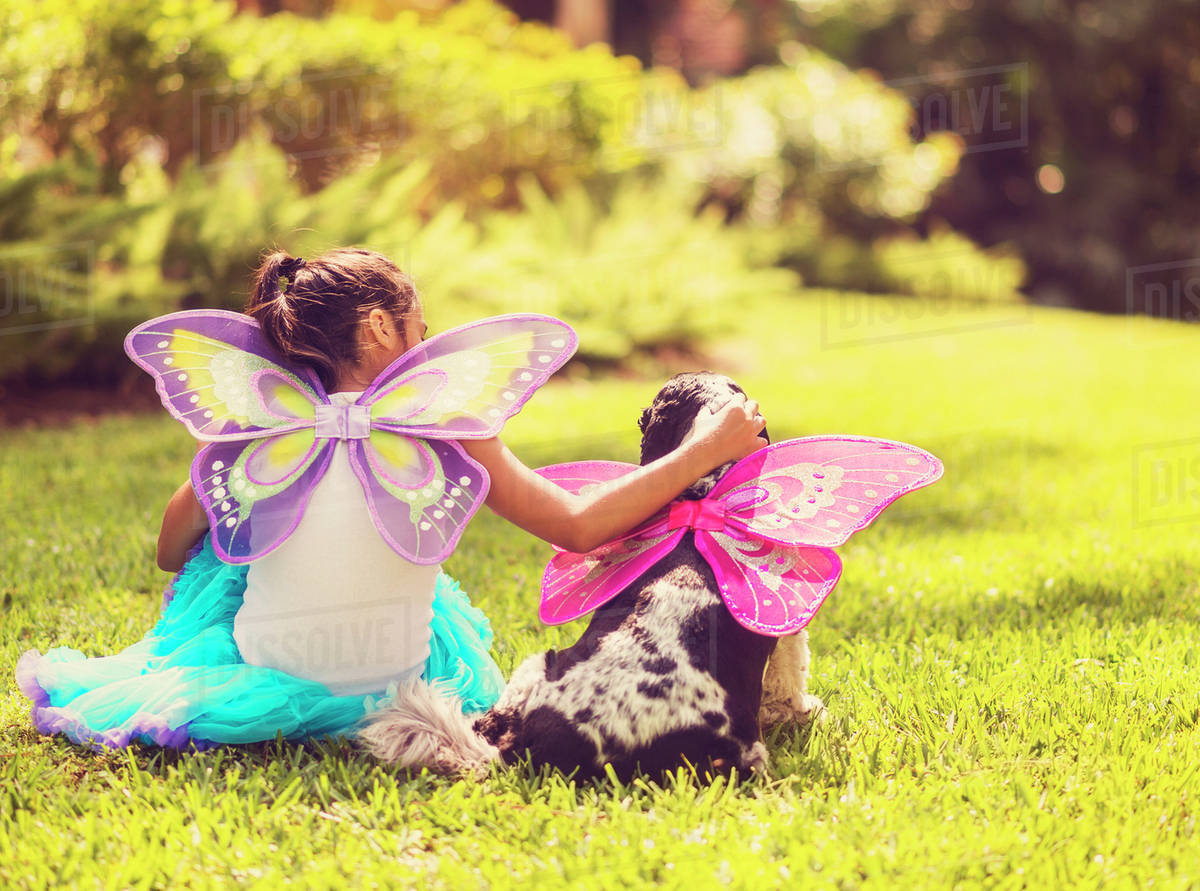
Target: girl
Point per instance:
(307, 639)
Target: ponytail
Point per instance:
(310, 311)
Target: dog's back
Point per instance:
(662, 675)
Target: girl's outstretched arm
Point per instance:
(580, 523)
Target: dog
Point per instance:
(662, 677)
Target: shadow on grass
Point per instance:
(320, 772)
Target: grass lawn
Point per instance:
(1011, 662)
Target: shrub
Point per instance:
(812, 137)
(632, 270)
(819, 162)
(946, 265)
(629, 262)
(479, 94)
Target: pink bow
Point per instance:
(708, 513)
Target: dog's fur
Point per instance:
(663, 674)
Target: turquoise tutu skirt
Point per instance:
(185, 682)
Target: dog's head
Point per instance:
(670, 417)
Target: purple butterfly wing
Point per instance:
(255, 492)
(421, 493)
(420, 485)
(466, 382)
(819, 490)
(216, 372)
(769, 588)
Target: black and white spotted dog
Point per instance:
(662, 674)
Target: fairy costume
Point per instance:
(273, 435)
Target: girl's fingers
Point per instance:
(754, 415)
(735, 424)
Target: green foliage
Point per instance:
(1106, 91)
(630, 263)
(97, 77)
(1010, 662)
(501, 167)
(810, 138)
(187, 139)
(944, 266)
(476, 92)
(636, 270)
(947, 265)
(819, 162)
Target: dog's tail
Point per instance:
(423, 727)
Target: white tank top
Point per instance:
(334, 603)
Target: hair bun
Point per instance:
(290, 265)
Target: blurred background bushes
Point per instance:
(1109, 171)
(153, 150)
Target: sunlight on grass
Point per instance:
(1010, 662)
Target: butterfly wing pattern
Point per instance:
(819, 490)
(217, 374)
(272, 431)
(465, 383)
(204, 363)
(766, 529)
(575, 584)
(770, 588)
(255, 492)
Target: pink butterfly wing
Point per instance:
(575, 584)
(769, 588)
(576, 476)
(255, 492)
(819, 490)
(420, 493)
(579, 476)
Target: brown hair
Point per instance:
(310, 310)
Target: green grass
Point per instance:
(1010, 662)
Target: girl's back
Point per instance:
(334, 603)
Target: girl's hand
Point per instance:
(728, 434)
